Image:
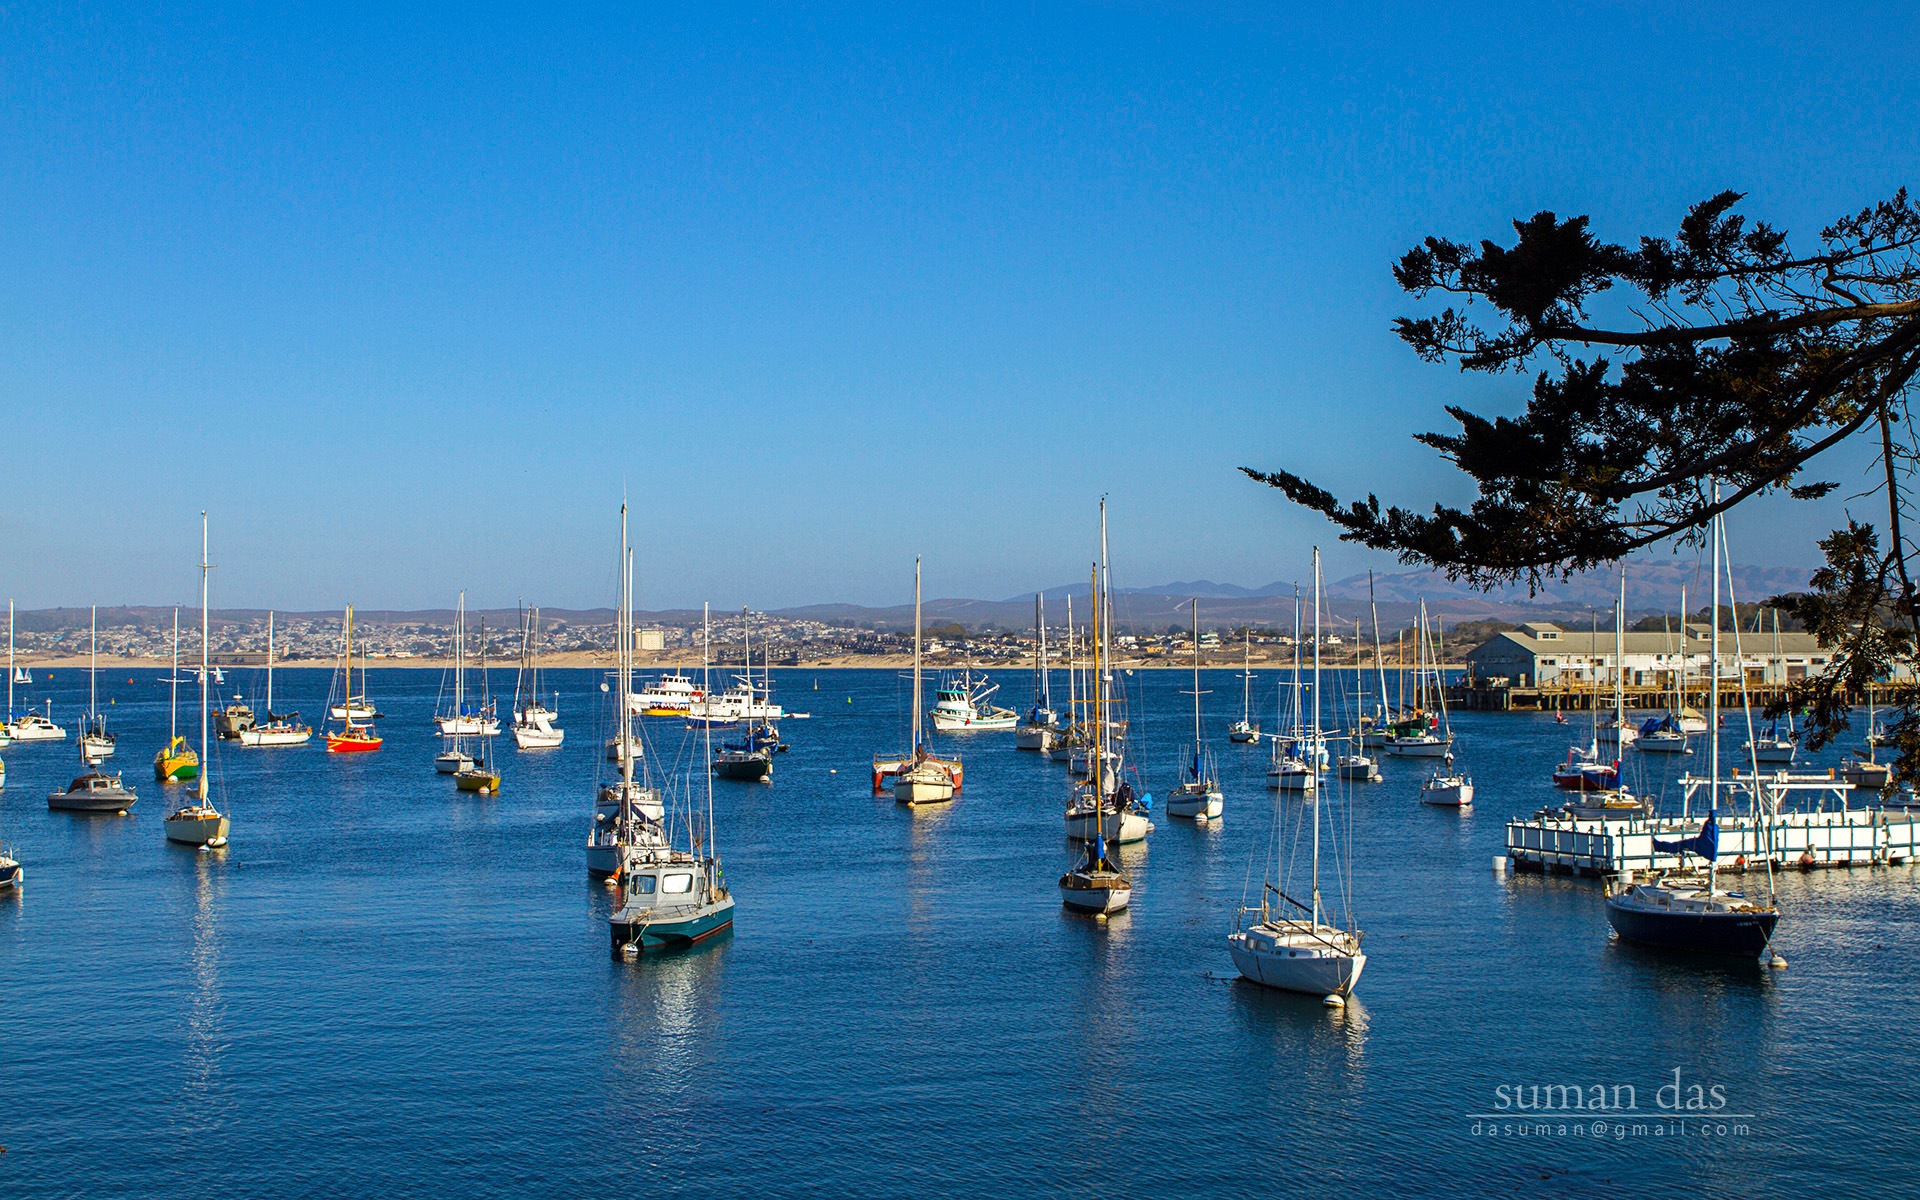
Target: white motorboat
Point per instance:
(671, 695)
(37, 727)
(1306, 952)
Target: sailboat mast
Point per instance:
(1713, 689)
(1073, 670)
(1313, 749)
(460, 660)
(10, 659)
(1246, 677)
(1379, 662)
(173, 717)
(269, 666)
(623, 662)
(1620, 663)
(206, 568)
(1099, 711)
(1196, 687)
(347, 708)
(93, 667)
(916, 657)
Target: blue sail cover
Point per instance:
(1706, 843)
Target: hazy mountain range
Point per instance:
(1652, 587)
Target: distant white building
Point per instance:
(1539, 653)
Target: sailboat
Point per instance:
(1042, 723)
(1775, 747)
(919, 777)
(1096, 884)
(1615, 732)
(454, 724)
(1446, 787)
(1304, 952)
(1107, 805)
(749, 760)
(354, 709)
(1356, 765)
(281, 729)
(1291, 770)
(1245, 731)
(1682, 910)
(1865, 771)
(479, 775)
(672, 898)
(535, 726)
(1585, 770)
(1418, 735)
(197, 822)
(1198, 794)
(627, 813)
(176, 762)
(96, 744)
(352, 737)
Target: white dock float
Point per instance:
(1830, 831)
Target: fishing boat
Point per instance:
(281, 729)
(197, 822)
(353, 737)
(673, 898)
(233, 720)
(961, 706)
(919, 776)
(1687, 910)
(37, 727)
(176, 762)
(535, 726)
(1107, 806)
(1304, 952)
(671, 695)
(1245, 731)
(1198, 793)
(1042, 724)
(96, 744)
(627, 813)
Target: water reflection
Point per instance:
(665, 1010)
(204, 1025)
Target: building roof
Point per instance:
(1540, 638)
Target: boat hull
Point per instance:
(1033, 737)
(1121, 827)
(480, 783)
(1196, 804)
(339, 744)
(671, 933)
(11, 876)
(197, 828)
(176, 768)
(1098, 896)
(923, 787)
(1293, 970)
(91, 802)
(258, 736)
(1456, 794)
(37, 733)
(1700, 932)
(538, 739)
(751, 769)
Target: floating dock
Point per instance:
(1794, 821)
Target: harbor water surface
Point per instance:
(385, 986)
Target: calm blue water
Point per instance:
(385, 986)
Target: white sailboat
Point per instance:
(1244, 731)
(197, 822)
(1773, 747)
(96, 744)
(535, 726)
(1356, 765)
(627, 814)
(1306, 952)
(1198, 794)
(1107, 805)
(1291, 770)
(1615, 732)
(1446, 787)
(1042, 724)
(1425, 739)
(455, 724)
(281, 729)
(919, 777)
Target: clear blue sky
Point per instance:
(407, 299)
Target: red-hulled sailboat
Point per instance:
(351, 738)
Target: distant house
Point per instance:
(1540, 653)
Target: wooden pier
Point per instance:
(1483, 696)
